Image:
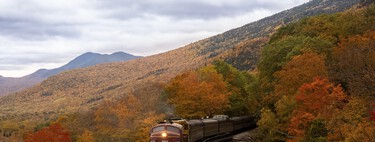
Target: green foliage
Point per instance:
(268, 125)
(41, 126)
(276, 54)
(285, 107)
(243, 87)
(238, 105)
(332, 27)
(317, 131)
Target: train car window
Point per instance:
(173, 129)
(157, 129)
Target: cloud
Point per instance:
(191, 9)
(46, 34)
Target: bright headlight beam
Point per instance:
(164, 134)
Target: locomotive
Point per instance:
(181, 130)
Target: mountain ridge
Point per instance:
(13, 84)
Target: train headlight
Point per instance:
(164, 134)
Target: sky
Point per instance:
(37, 34)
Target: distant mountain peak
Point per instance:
(90, 59)
(120, 53)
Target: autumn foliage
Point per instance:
(53, 133)
(314, 82)
(319, 99)
(198, 94)
(316, 79)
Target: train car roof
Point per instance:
(169, 124)
(236, 118)
(195, 122)
(209, 121)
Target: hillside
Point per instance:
(78, 88)
(263, 28)
(87, 88)
(13, 84)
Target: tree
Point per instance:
(285, 57)
(301, 69)
(352, 122)
(284, 108)
(241, 99)
(115, 120)
(318, 131)
(197, 94)
(53, 133)
(319, 99)
(268, 125)
(142, 131)
(354, 64)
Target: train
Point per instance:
(181, 130)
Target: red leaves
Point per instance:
(320, 96)
(53, 133)
(317, 99)
(373, 114)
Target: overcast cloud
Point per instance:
(38, 34)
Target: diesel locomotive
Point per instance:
(181, 130)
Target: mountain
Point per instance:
(86, 88)
(10, 84)
(84, 60)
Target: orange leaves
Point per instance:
(300, 123)
(53, 133)
(200, 93)
(320, 96)
(302, 69)
(319, 99)
(112, 116)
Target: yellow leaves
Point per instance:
(268, 119)
(285, 107)
(145, 123)
(128, 119)
(364, 131)
(268, 124)
(114, 115)
(87, 136)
